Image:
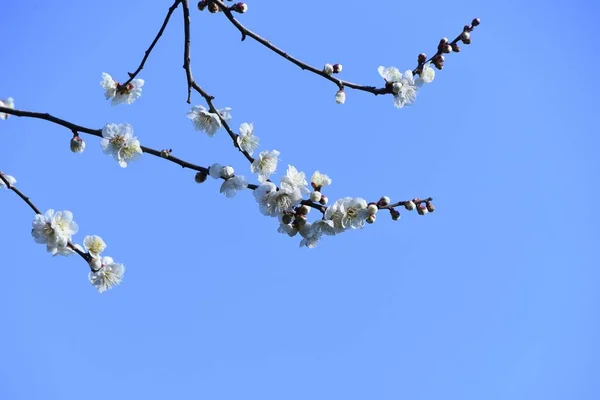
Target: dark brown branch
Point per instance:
(36, 210)
(147, 52)
(304, 66)
(192, 84)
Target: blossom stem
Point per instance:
(147, 52)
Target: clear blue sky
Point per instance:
(494, 296)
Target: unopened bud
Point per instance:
(372, 209)
(447, 48)
(202, 5)
(384, 201)
(476, 22)
(395, 214)
(200, 177)
(340, 96)
(467, 41)
(240, 7)
(95, 264)
(422, 58)
(410, 205)
(323, 200)
(455, 48)
(226, 172)
(442, 43)
(213, 7)
(465, 36)
(422, 209)
(337, 68)
(303, 209)
(165, 153)
(300, 220)
(371, 218)
(315, 196)
(430, 206)
(77, 144)
(286, 219)
(328, 69)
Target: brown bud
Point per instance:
(240, 7)
(467, 28)
(430, 206)
(286, 219)
(337, 68)
(476, 22)
(455, 48)
(202, 5)
(447, 48)
(166, 153)
(395, 214)
(467, 41)
(213, 7)
(200, 177)
(422, 209)
(384, 201)
(422, 58)
(323, 200)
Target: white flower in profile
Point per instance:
(319, 180)
(265, 164)
(126, 94)
(246, 139)
(347, 213)
(233, 185)
(9, 178)
(94, 245)
(8, 103)
(403, 85)
(312, 233)
(427, 74)
(298, 179)
(120, 143)
(262, 194)
(207, 121)
(54, 229)
(108, 275)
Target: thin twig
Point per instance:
(147, 52)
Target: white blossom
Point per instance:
(298, 179)
(11, 180)
(246, 139)
(261, 194)
(108, 275)
(120, 143)
(54, 230)
(427, 75)
(328, 69)
(320, 180)
(265, 164)
(347, 213)
(284, 199)
(207, 121)
(126, 94)
(404, 86)
(7, 103)
(312, 232)
(227, 172)
(233, 185)
(94, 245)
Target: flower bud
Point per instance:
(337, 68)
(303, 209)
(430, 206)
(422, 209)
(447, 48)
(77, 144)
(286, 219)
(240, 7)
(384, 201)
(422, 58)
(300, 220)
(467, 41)
(340, 96)
(165, 153)
(95, 263)
(410, 205)
(372, 209)
(371, 218)
(455, 48)
(323, 200)
(200, 177)
(465, 36)
(202, 5)
(442, 43)
(476, 22)
(215, 170)
(315, 196)
(213, 7)
(226, 172)
(328, 69)
(395, 214)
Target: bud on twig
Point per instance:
(337, 68)
(213, 7)
(422, 58)
(476, 22)
(395, 214)
(200, 177)
(239, 7)
(202, 5)
(77, 144)
(430, 206)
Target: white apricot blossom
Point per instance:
(247, 141)
(298, 179)
(108, 274)
(261, 195)
(120, 143)
(233, 185)
(347, 213)
(427, 74)
(9, 102)
(207, 121)
(9, 178)
(312, 232)
(54, 229)
(94, 245)
(265, 164)
(284, 199)
(319, 180)
(403, 85)
(126, 94)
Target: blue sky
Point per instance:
(493, 296)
